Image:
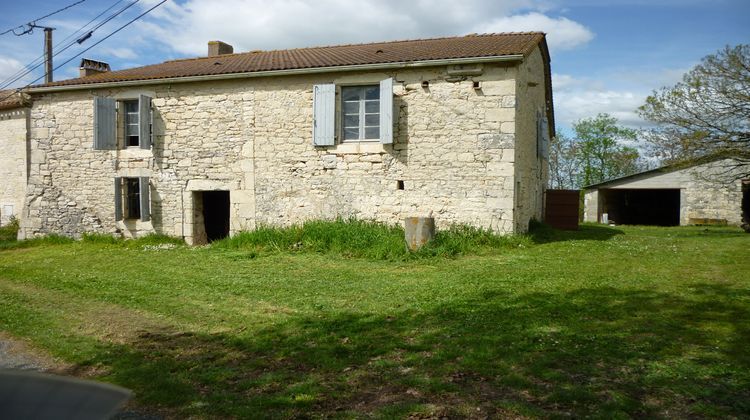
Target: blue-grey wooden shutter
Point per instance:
(545, 138)
(118, 198)
(386, 111)
(324, 114)
(144, 190)
(144, 121)
(105, 123)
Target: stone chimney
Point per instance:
(219, 48)
(90, 67)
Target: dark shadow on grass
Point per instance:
(542, 234)
(600, 352)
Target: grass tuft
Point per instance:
(35, 242)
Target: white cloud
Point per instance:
(251, 24)
(563, 33)
(124, 53)
(577, 98)
(9, 67)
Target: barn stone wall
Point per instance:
(707, 191)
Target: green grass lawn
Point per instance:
(603, 322)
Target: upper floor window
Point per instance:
(132, 135)
(364, 113)
(360, 107)
(125, 123)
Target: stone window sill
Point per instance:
(357, 147)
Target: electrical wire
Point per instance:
(40, 60)
(43, 17)
(87, 49)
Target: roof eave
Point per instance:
(270, 73)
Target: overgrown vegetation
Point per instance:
(366, 239)
(604, 322)
(9, 231)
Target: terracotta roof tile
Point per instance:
(10, 99)
(470, 46)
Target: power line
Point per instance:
(40, 60)
(43, 17)
(97, 43)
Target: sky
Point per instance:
(607, 56)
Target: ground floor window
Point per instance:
(132, 198)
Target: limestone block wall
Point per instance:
(12, 162)
(710, 193)
(531, 168)
(453, 155)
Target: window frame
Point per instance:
(131, 198)
(362, 113)
(129, 119)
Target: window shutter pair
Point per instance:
(145, 196)
(324, 113)
(105, 123)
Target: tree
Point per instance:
(707, 113)
(600, 152)
(563, 165)
(596, 153)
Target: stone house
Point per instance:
(205, 147)
(14, 113)
(709, 191)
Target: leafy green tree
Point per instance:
(563, 165)
(708, 112)
(601, 151)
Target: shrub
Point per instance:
(9, 232)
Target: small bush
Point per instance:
(9, 232)
(365, 239)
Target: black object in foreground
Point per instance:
(34, 395)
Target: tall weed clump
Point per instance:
(367, 239)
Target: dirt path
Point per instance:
(15, 354)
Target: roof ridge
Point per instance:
(399, 41)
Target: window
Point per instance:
(360, 108)
(133, 116)
(132, 198)
(365, 113)
(132, 128)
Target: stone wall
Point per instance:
(707, 191)
(453, 153)
(12, 162)
(531, 170)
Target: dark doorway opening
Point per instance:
(659, 207)
(216, 214)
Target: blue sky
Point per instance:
(606, 55)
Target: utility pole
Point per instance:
(47, 49)
(48, 55)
